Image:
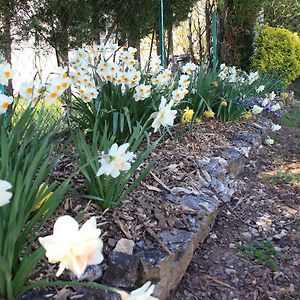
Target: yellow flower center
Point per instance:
(53, 95)
(29, 90)
(5, 105)
(7, 74)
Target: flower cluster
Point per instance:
(237, 76)
(267, 104)
(82, 76)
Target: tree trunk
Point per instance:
(208, 19)
(190, 38)
(170, 52)
(7, 47)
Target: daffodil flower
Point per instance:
(165, 116)
(72, 247)
(116, 161)
(209, 114)
(256, 110)
(4, 194)
(5, 101)
(143, 293)
(275, 127)
(269, 141)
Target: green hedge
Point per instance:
(277, 51)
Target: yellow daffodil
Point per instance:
(247, 116)
(224, 103)
(209, 114)
(187, 115)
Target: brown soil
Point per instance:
(268, 198)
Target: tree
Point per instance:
(285, 13)
(237, 21)
(64, 24)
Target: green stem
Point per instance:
(45, 283)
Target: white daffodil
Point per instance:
(184, 81)
(165, 116)
(143, 293)
(52, 95)
(269, 141)
(256, 110)
(179, 94)
(5, 101)
(6, 73)
(62, 72)
(142, 92)
(4, 194)
(265, 102)
(275, 107)
(115, 161)
(222, 75)
(132, 51)
(253, 76)
(275, 127)
(155, 64)
(72, 247)
(27, 90)
(272, 96)
(260, 89)
(189, 68)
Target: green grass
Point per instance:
(291, 118)
(263, 253)
(287, 177)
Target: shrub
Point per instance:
(277, 51)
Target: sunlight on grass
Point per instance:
(287, 173)
(291, 118)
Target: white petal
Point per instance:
(5, 185)
(65, 226)
(113, 150)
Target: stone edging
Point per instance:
(165, 267)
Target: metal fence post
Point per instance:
(161, 33)
(1, 86)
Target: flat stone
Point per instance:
(236, 161)
(213, 167)
(125, 246)
(178, 241)
(253, 139)
(202, 203)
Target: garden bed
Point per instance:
(152, 235)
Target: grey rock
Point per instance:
(125, 246)
(122, 270)
(252, 139)
(204, 204)
(92, 273)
